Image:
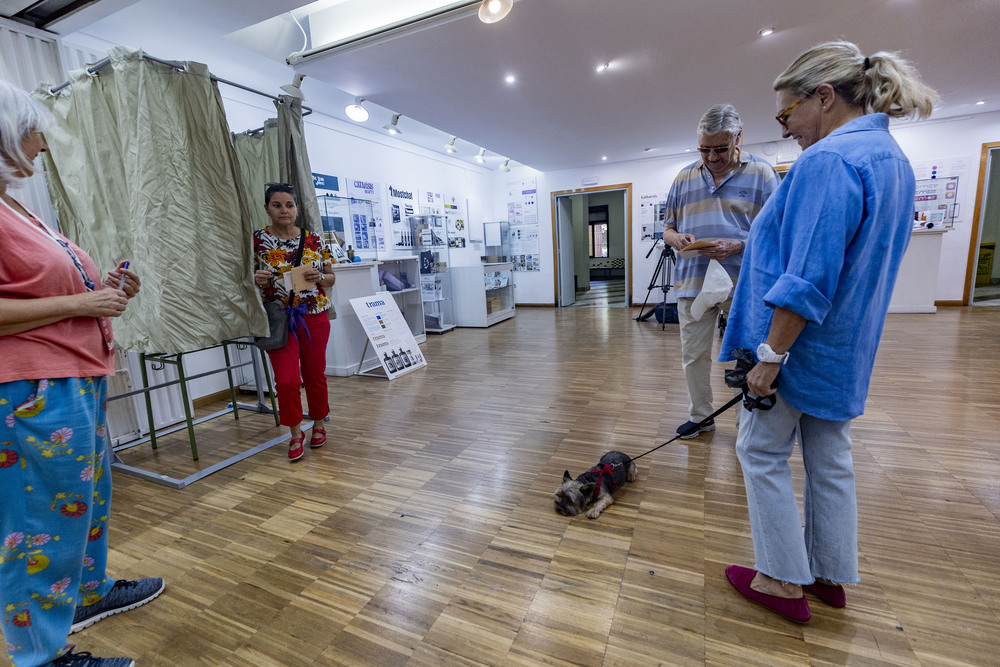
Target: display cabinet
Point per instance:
(400, 277)
(484, 295)
(430, 246)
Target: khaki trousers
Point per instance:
(697, 337)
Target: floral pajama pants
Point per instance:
(55, 488)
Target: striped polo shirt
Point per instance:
(696, 206)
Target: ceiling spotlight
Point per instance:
(764, 32)
(602, 67)
(481, 158)
(981, 102)
(506, 165)
(392, 127)
(450, 146)
(492, 11)
(356, 112)
(604, 157)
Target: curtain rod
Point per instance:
(93, 69)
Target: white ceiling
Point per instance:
(670, 61)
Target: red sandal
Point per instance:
(318, 438)
(295, 450)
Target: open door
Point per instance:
(565, 247)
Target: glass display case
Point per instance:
(484, 295)
(430, 245)
(400, 276)
(350, 223)
(496, 242)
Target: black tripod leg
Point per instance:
(652, 284)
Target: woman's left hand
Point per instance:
(130, 284)
(312, 275)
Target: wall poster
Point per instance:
(458, 231)
(402, 204)
(652, 206)
(369, 191)
(522, 213)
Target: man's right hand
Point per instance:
(676, 240)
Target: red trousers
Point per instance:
(310, 353)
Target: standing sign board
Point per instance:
(388, 335)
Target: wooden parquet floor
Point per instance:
(424, 532)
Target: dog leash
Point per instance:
(696, 427)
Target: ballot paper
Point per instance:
(692, 249)
(298, 282)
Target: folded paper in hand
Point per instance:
(716, 289)
(298, 282)
(691, 249)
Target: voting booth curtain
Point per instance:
(141, 167)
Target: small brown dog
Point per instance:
(594, 486)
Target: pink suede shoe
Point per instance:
(832, 594)
(796, 609)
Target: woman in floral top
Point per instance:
(276, 249)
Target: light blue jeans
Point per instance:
(828, 547)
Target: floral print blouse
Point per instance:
(279, 254)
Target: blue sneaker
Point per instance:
(124, 596)
(84, 659)
(689, 430)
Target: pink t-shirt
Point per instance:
(33, 265)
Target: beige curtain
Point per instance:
(259, 162)
(141, 167)
(295, 168)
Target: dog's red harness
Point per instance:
(601, 471)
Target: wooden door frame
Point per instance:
(627, 187)
(970, 274)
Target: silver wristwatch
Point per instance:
(769, 356)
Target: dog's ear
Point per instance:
(566, 477)
(587, 490)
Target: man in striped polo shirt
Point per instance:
(714, 199)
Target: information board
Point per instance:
(388, 335)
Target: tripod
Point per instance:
(660, 271)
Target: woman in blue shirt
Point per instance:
(818, 273)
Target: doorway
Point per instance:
(592, 233)
(984, 265)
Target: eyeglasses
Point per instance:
(782, 116)
(718, 150)
(271, 185)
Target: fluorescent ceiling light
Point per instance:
(356, 112)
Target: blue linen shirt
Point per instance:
(828, 246)
(695, 205)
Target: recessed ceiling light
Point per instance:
(764, 32)
(687, 150)
(646, 150)
(602, 67)
(604, 157)
(510, 78)
(981, 102)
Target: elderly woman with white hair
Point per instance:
(820, 264)
(56, 351)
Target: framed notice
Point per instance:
(389, 337)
